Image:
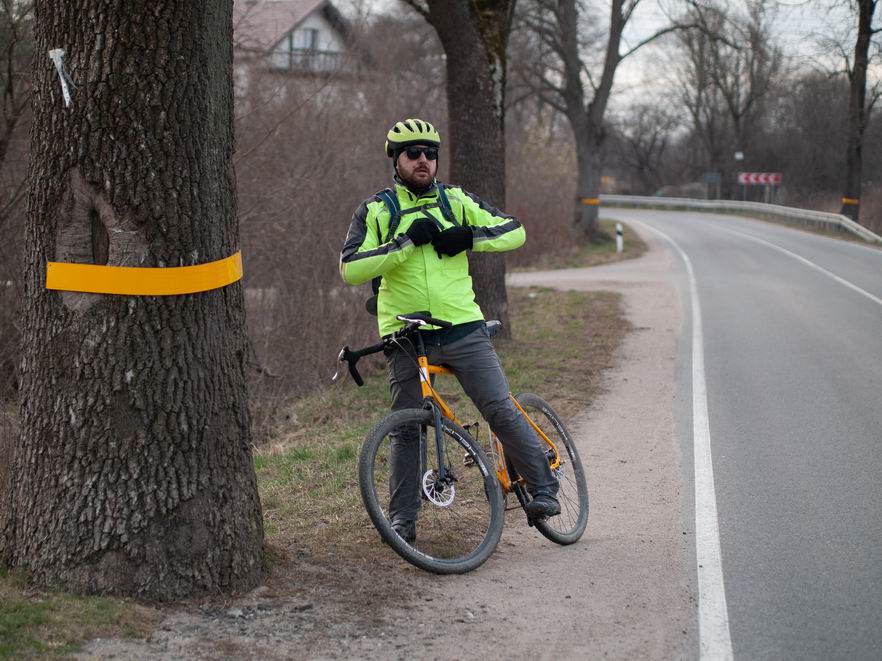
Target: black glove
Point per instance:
(422, 231)
(453, 240)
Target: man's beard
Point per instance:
(415, 185)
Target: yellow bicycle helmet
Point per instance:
(411, 132)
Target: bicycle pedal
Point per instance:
(468, 460)
(533, 518)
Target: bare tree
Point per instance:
(564, 79)
(16, 48)
(16, 40)
(807, 135)
(475, 35)
(133, 471)
(727, 74)
(746, 73)
(699, 94)
(859, 105)
(645, 134)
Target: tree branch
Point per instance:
(419, 8)
(656, 35)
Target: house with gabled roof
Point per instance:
(299, 37)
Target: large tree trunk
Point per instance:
(587, 120)
(474, 36)
(133, 472)
(857, 80)
(589, 162)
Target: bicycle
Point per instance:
(464, 488)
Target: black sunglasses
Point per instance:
(413, 153)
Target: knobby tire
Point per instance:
(475, 517)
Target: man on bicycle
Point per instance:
(418, 242)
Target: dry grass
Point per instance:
(602, 251)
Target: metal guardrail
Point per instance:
(831, 222)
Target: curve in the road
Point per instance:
(807, 262)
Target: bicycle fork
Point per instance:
(439, 446)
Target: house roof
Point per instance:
(258, 25)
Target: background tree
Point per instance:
(746, 72)
(727, 70)
(475, 35)
(805, 136)
(700, 96)
(859, 106)
(569, 82)
(645, 133)
(133, 472)
(16, 48)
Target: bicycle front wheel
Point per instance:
(568, 526)
(452, 497)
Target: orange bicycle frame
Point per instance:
(427, 371)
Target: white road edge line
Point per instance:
(714, 639)
(807, 262)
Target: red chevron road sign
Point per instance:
(759, 178)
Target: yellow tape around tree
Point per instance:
(850, 200)
(144, 281)
(591, 201)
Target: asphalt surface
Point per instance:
(793, 365)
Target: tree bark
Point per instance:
(474, 35)
(857, 111)
(589, 162)
(133, 472)
(592, 131)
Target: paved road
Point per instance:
(793, 368)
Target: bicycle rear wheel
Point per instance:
(460, 518)
(568, 526)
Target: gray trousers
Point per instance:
(475, 364)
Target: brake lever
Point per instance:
(346, 355)
(340, 359)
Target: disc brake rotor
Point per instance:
(437, 492)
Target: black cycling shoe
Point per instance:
(407, 530)
(543, 505)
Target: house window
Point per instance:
(310, 38)
(300, 51)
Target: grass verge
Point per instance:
(602, 251)
(308, 475)
(51, 625)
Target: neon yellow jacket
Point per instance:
(414, 277)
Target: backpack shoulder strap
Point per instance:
(390, 199)
(444, 204)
